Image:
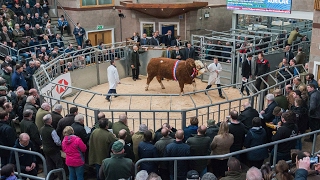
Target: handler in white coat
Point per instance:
(113, 79)
(214, 78)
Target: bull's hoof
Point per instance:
(163, 87)
(146, 89)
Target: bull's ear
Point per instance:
(191, 63)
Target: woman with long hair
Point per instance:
(221, 144)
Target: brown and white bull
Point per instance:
(182, 71)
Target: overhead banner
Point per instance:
(57, 87)
(279, 6)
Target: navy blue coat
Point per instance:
(255, 137)
(188, 131)
(18, 80)
(148, 150)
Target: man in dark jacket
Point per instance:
(128, 148)
(78, 127)
(286, 130)
(262, 67)
(178, 149)
(17, 78)
(7, 137)
(161, 145)
(135, 63)
(267, 114)
(246, 72)
(51, 145)
(147, 150)
(247, 115)
(56, 115)
(29, 127)
(199, 146)
(314, 109)
(27, 161)
(280, 99)
(66, 121)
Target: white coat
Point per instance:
(214, 77)
(113, 77)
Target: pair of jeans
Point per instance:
(79, 41)
(111, 91)
(76, 173)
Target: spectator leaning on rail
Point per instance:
(287, 128)
(247, 115)
(99, 144)
(117, 167)
(27, 161)
(293, 36)
(158, 133)
(51, 145)
(75, 150)
(199, 146)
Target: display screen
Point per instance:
(279, 6)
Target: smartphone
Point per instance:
(314, 160)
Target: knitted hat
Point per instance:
(192, 174)
(117, 146)
(211, 122)
(143, 128)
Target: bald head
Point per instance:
(123, 118)
(254, 174)
(101, 115)
(33, 92)
(179, 135)
(122, 134)
(164, 131)
(202, 130)
(24, 136)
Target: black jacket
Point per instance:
(314, 104)
(262, 67)
(302, 118)
(24, 158)
(157, 134)
(7, 137)
(55, 119)
(128, 150)
(135, 59)
(301, 174)
(246, 69)
(256, 136)
(66, 121)
(167, 40)
(239, 132)
(174, 54)
(285, 131)
(144, 41)
(80, 132)
(289, 55)
(29, 127)
(188, 53)
(246, 117)
(153, 42)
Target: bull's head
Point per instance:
(200, 67)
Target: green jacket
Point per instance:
(282, 102)
(136, 139)
(234, 175)
(116, 167)
(117, 126)
(99, 145)
(199, 146)
(293, 36)
(39, 117)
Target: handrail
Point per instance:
(275, 143)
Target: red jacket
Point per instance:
(74, 148)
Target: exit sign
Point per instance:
(99, 27)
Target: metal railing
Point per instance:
(47, 175)
(275, 144)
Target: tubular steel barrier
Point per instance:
(190, 158)
(44, 163)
